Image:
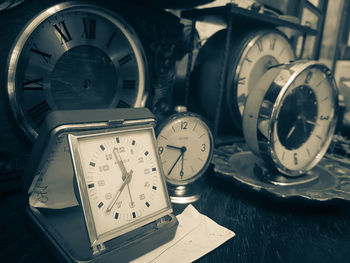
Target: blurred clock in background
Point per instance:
(74, 56)
(251, 53)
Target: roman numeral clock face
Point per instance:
(74, 56)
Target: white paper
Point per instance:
(196, 235)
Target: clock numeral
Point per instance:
(184, 125)
(260, 46)
(308, 77)
(295, 156)
(123, 104)
(146, 171)
(203, 148)
(142, 197)
(43, 54)
(140, 159)
(147, 184)
(129, 84)
(101, 182)
(62, 32)
(119, 204)
(124, 60)
(109, 42)
(32, 84)
(272, 44)
(108, 196)
(324, 118)
(241, 81)
(89, 28)
(39, 112)
(160, 150)
(103, 168)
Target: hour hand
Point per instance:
(120, 190)
(119, 160)
(174, 147)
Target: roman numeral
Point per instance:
(259, 44)
(241, 81)
(272, 44)
(129, 84)
(39, 112)
(44, 55)
(123, 104)
(125, 59)
(89, 28)
(62, 32)
(32, 84)
(111, 39)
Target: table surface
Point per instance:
(267, 229)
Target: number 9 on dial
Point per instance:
(185, 146)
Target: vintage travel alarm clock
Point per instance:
(290, 116)
(108, 160)
(185, 146)
(252, 52)
(74, 55)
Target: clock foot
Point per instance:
(183, 194)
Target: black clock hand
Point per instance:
(175, 147)
(178, 158)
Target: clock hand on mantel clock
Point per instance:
(183, 150)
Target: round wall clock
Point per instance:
(290, 116)
(74, 55)
(251, 54)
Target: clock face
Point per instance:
(185, 146)
(304, 118)
(263, 49)
(74, 56)
(120, 181)
(290, 116)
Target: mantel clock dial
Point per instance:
(251, 54)
(74, 55)
(290, 116)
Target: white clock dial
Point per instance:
(185, 146)
(266, 49)
(122, 180)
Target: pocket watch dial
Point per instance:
(121, 179)
(74, 56)
(185, 146)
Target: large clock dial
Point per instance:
(74, 56)
(251, 54)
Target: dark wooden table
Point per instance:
(267, 229)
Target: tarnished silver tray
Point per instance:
(328, 181)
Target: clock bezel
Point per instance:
(16, 50)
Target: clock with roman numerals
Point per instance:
(74, 55)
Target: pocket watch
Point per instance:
(290, 116)
(121, 186)
(74, 55)
(251, 54)
(185, 146)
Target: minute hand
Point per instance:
(121, 188)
